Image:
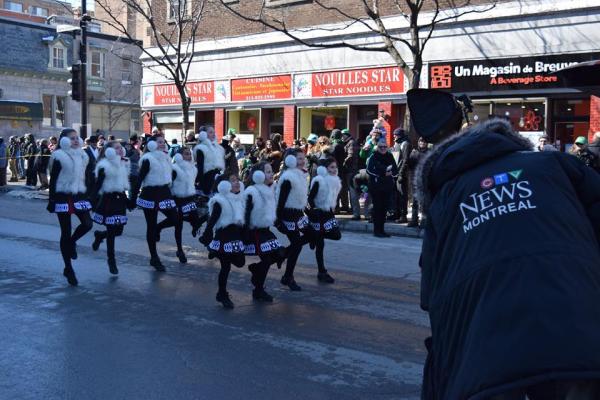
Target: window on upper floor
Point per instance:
(96, 64)
(13, 6)
(58, 56)
(182, 7)
(275, 3)
(126, 71)
(38, 11)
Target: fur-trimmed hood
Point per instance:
(463, 151)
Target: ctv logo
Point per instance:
(502, 194)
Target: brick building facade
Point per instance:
(264, 82)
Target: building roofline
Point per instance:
(52, 28)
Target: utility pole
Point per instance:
(83, 58)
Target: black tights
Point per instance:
(109, 234)
(297, 241)
(261, 269)
(319, 248)
(151, 216)
(224, 274)
(192, 217)
(67, 241)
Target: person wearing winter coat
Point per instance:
(402, 146)
(259, 218)
(111, 202)
(416, 155)
(41, 164)
(291, 193)
(223, 236)
(210, 160)
(155, 178)
(382, 170)
(184, 194)
(3, 162)
(67, 196)
(322, 198)
(513, 311)
(350, 165)
(581, 151)
(30, 156)
(13, 158)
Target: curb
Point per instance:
(391, 228)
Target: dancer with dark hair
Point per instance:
(155, 180)
(68, 196)
(223, 233)
(291, 194)
(324, 191)
(112, 181)
(184, 193)
(260, 217)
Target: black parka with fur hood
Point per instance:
(510, 265)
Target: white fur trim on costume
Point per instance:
(184, 183)
(202, 136)
(110, 153)
(160, 169)
(291, 161)
(73, 162)
(152, 145)
(81, 142)
(214, 155)
(116, 174)
(224, 187)
(263, 205)
(177, 158)
(329, 189)
(232, 208)
(258, 177)
(65, 143)
(298, 196)
(322, 171)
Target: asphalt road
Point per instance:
(145, 335)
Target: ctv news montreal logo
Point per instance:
(503, 194)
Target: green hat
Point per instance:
(346, 132)
(581, 140)
(312, 138)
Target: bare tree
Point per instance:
(422, 16)
(173, 47)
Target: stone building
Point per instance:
(33, 81)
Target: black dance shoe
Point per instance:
(97, 240)
(291, 283)
(112, 266)
(261, 295)
(223, 298)
(155, 262)
(70, 275)
(181, 256)
(325, 277)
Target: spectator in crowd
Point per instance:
(402, 146)
(416, 155)
(370, 144)
(21, 157)
(581, 151)
(13, 153)
(257, 147)
(190, 138)
(52, 143)
(311, 142)
(231, 164)
(320, 151)
(133, 153)
(175, 148)
(350, 167)
(30, 153)
(41, 164)
(276, 140)
(240, 151)
(271, 155)
(155, 131)
(101, 141)
(383, 171)
(542, 141)
(594, 148)
(93, 152)
(3, 161)
(339, 154)
(111, 138)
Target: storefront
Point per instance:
(19, 117)
(524, 90)
(294, 105)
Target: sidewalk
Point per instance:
(19, 190)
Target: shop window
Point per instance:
(322, 120)
(571, 108)
(13, 6)
(54, 111)
(246, 123)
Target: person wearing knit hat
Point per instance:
(259, 239)
(382, 170)
(68, 196)
(312, 139)
(292, 195)
(210, 160)
(155, 179)
(581, 151)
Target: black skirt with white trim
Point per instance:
(66, 203)
(261, 241)
(111, 209)
(156, 198)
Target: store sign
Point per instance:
(503, 74)
(350, 83)
(21, 111)
(262, 88)
(162, 95)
